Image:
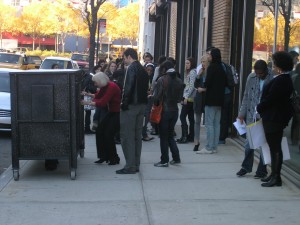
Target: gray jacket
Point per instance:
(251, 96)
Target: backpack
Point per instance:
(231, 75)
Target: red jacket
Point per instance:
(110, 96)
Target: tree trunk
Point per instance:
(93, 29)
(286, 37)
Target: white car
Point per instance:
(5, 107)
(63, 63)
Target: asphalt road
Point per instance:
(5, 151)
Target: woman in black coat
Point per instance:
(276, 111)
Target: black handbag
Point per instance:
(295, 102)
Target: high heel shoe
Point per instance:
(114, 162)
(101, 161)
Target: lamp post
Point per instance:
(276, 26)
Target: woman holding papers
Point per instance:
(276, 111)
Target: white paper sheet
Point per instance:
(240, 127)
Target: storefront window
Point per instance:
(288, 39)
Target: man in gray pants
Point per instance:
(133, 104)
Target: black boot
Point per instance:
(266, 179)
(276, 163)
(191, 133)
(183, 139)
(196, 147)
(275, 181)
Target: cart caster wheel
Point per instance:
(73, 174)
(81, 153)
(16, 175)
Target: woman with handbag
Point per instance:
(276, 111)
(109, 95)
(169, 90)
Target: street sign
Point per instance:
(102, 25)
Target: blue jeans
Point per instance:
(249, 159)
(166, 131)
(212, 124)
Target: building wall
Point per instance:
(146, 29)
(221, 23)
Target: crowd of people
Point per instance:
(123, 94)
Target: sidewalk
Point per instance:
(202, 190)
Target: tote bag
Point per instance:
(256, 134)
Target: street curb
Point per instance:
(6, 177)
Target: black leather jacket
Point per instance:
(170, 90)
(135, 86)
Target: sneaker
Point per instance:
(160, 164)
(215, 151)
(173, 162)
(204, 151)
(242, 172)
(260, 175)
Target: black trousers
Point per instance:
(87, 119)
(274, 142)
(188, 111)
(105, 133)
(226, 114)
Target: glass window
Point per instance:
(4, 83)
(287, 40)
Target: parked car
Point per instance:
(63, 63)
(19, 50)
(34, 62)
(13, 61)
(5, 105)
(81, 59)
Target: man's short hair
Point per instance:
(261, 65)
(131, 52)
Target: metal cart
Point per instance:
(47, 117)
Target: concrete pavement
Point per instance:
(202, 190)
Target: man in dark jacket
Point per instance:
(133, 104)
(215, 83)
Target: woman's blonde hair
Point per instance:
(101, 79)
